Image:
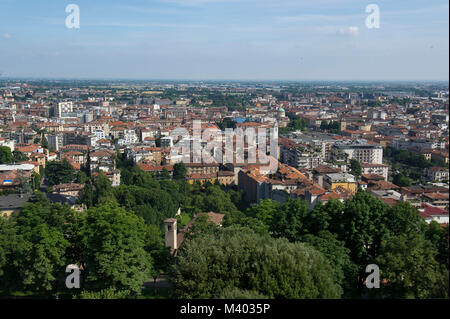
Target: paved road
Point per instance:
(161, 282)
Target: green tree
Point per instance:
(165, 174)
(87, 195)
(36, 181)
(236, 257)
(236, 293)
(345, 271)
(213, 198)
(362, 226)
(159, 253)
(438, 237)
(179, 171)
(408, 265)
(103, 189)
(227, 122)
(107, 293)
(355, 168)
(114, 254)
(322, 216)
(36, 247)
(18, 156)
(81, 177)
(264, 211)
(59, 172)
(288, 221)
(5, 155)
(134, 175)
(4, 239)
(254, 224)
(401, 180)
(201, 226)
(44, 142)
(403, 218)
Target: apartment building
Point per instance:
(359, 150)
(377, 169)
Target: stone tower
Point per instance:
(170, 226)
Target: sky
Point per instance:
(299, 40)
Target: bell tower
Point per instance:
(170, 226)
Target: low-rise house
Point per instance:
(68, 189)
(226, 177)
(113, 176)
(345, 180)
(75, 148)
(391, 196)
(102, 160)
(76, 157)
(12, 203)
(436, 174)
(201, 178)
(373, 168)
(432, 213)
(202, 168)
(29, 149)
(437, 199)
(381, 185)
(156, 170)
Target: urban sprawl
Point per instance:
(89, 143)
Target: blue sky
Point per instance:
(226, 39)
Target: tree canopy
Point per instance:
(6, 156)
(114, 253)
(59, 172)
(407, 263)
(235, 257)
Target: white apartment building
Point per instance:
(378, 169)
(359, 150)
(63, 107)
(404, 144)
(301, 159)
(129, 138)
(437, 174)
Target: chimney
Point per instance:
(170, 226)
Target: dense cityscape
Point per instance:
(101, 174)
(224, 158)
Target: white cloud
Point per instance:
(316, 17)
(338, 30)
(7, 36)
(351, 31)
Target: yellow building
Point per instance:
(343, 180)
(202, 178)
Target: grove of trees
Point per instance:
(268, 250)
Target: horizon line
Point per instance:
(2, 78)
